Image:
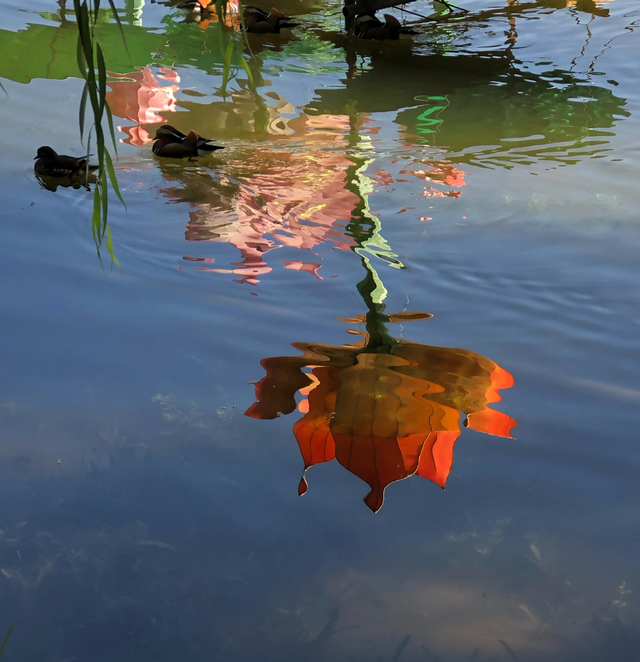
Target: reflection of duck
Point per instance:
(51, 164)
(258, 21)
(174, 144)
(370, 27)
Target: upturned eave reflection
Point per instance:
(383, 415)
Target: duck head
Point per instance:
(169, 134)
(45, 152)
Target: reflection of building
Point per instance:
(231, 16)
(296, 199)
(133, 10)
(384, 412)
(300, 201)
(442, 178)
(384, 408)
(595, 7)
(139, 97)
(481, 109)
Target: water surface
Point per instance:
(413, 266)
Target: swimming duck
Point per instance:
(257, 20)
(174, 144)
(369, 27)
(49, 163)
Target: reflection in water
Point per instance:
(297, 199)
(50, 51)
(209, 14)
(518, 117)
(442, 178)
(300, 196)
(298, 202)
(384, 408)
(160, 522)
(53, 183)
(138, 96)
(133, 11)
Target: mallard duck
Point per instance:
(369, 27)
(174, 144)
(49, 163)
(259, 21)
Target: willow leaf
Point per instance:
(221, 11)
(82, 63)
(113, 178)
(95, 218)
(84, 32)
(245, 34)
(84, 40)
(228, 54)
(102, 82)
(111, 129)
(104, 194)
(108, 243)
(245, 66)
(6, 639)
(86, 174)
(83, 109)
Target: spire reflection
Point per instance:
(384, 408)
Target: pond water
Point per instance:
(402, 247)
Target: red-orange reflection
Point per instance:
(383, 415)
(444, 179)
(138, 96)
(231, 15)
(300, 202)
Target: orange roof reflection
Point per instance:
(441, 174)
(383, 416)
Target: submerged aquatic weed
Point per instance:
(6, 638)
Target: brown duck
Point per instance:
(48, 163)
(370, 27)
(258, 21)
(174, 144)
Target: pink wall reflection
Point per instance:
(139, 97)
(295, 198)
(300, 201)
